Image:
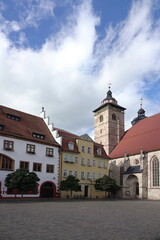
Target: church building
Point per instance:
(135, 153)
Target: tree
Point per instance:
(107, 184)
(70, 184)
(22, 180)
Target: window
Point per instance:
(49, 168)
(101, 118)
(121, 175)
(37, 167)
(24, 165)
(136, 161)
(93, 175)
(71, 146)
(8, 145)
(82, 175)
(88, 175)
(1, 126)
(76, 174)
(13, 117)
(6, 163)
(31, 148)
(114, 116)
(155, 171)
(89, 162)
(83, 149)
(99, 164)
(100, 175)
(99, 151)
(65, 174)
(49, 152)
(82, 161)
(76, 159)
(37, 135)
(89, 150)
(70, 173)
(105, 165)
(94, 163)
(71, 159)
(65, 158)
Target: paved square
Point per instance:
(87, 220)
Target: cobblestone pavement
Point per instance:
(87, 220)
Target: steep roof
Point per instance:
(145, 134)
(70, 137)
(23, 126)
(63, 133)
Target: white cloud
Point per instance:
(63, 75)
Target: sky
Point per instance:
(61, 55)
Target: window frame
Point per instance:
(49, 152)
(10, 162)
(71, 145)
(36, 166)
(10, 145)
(25, 163)
(29, 148)
(49, 168)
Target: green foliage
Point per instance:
(70, 184)
(22, 180)
(107, 184)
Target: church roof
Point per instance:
(145, 134)
(22, 125)
(133, 169)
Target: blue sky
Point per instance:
(62, 54)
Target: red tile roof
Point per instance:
(64, 133)
(70, 137)
(145, 134)
(24, 128)
(103, 153)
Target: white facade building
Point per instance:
(26, 142)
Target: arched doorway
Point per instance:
(133, 186)
(48, 190)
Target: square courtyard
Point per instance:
(87, 220)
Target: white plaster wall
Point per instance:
(19, 154)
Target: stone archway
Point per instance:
(48, 190)
(132, 186)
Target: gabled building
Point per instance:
(83, 158)
(26, 142)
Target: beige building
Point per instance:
(135, 154)
(81, 157)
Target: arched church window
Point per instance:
(114, 116)
(155, 171)
(101, 118)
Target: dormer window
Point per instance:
(1, 126)
(13, 117)
(99, 151)
(37, 135)
(71, 146)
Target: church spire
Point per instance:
(109, 98)
(141, 114)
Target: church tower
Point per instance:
(108, 123)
